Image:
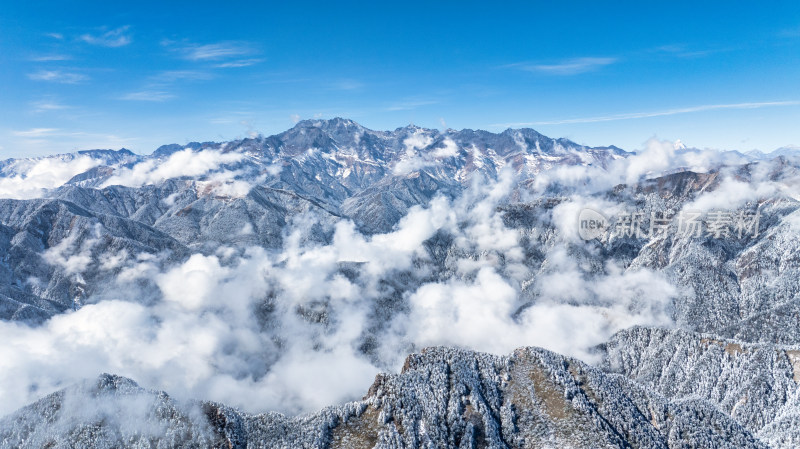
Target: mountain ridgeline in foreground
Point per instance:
(234, 274)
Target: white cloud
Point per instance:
(239, 63)
(47, 105)
(190, 285)
(569, 66)
(232, 184)
(32, 178)
(58, 76)
(181, 163)
(205, 334)
(118, 37)
(479, 314)
(148, 95)
(217, 51)
(255, 329)
(35, 132)
(414, 159)
(656, 158)
(410, 105)
(419, 155)
(51, 57)
(732, 194)
(70, 254)
(663, 113)
(449, 149)
(467, 314)
(417, 141)
(181, 75)
(159, 85)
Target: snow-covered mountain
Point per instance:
(443, 398)
(240, 272)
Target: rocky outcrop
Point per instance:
(444, 398)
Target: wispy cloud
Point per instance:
(240, 63)
(118, 37)
(46, 106)
(35, 132)
(54, 57)
(58, 76)
(347, 84)
(148, 95)
(409, 105)
(572, 66)
(170, 76)
(667, 112)
(215, 52)
(159, 86)
(58, 36)
(681, 51)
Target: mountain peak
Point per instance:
(336, 122)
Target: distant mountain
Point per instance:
(790, 151)
(787, 151)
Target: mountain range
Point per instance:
(446, 265)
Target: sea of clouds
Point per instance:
(311, 324)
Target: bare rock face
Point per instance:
(532, 398)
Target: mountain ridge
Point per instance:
(331, 247)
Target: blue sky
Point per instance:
(80, 75)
